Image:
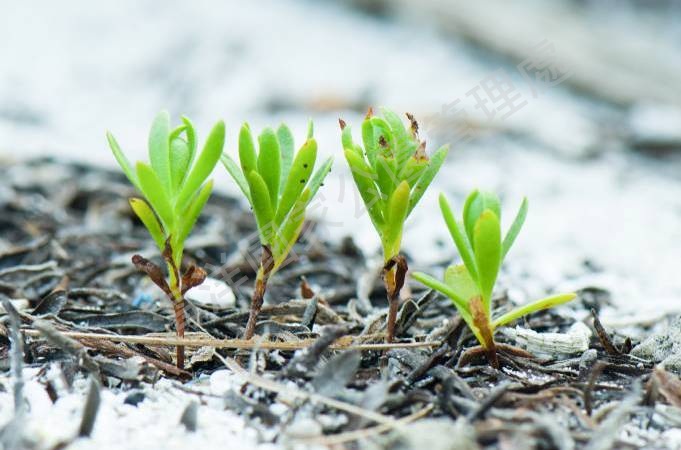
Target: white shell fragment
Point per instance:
(19, 305)
(212, 293)
(575, 341)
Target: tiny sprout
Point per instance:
(279, 184)
(174, 195)
(469, 285)
(392, 172)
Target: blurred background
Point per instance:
(576, 104)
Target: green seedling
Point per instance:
(392, 172)
(175, 191)
(279, 184)
(481, 247)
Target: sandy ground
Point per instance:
(600, 214)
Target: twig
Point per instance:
(606, 434)
(345, 343)
(593, 376)
(67, 344)
(493, 397)
(17, 357)
(92, 402)
(28, 268)
(11, 434)
(273, 386)
(364, 433)
(304, 361)
(603, 336)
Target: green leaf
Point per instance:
(209, 157)
(395, 217)
(487, 250)
(301, 170)
(180, 156)
(269, 163)
(459, 303)
(383, 129)
(158, 198)
(364, 180)
(459, 279)
(191, 138)
(262, 206)
(413, 169)
(346, 138)
(467, 216)
(405, 145)
(123, 161)
(319, 176)
(149, 220)
(159, 153)
(515, 228)
(460, 240)
(237, 175)
(476, 203)
(397, 127)
(370, 142)
(427, 176)
(247, 155)
(537, 305)
(287, 147)
(310, 129)
(191, 215)
(386, 174)
(289, 232)
(176, 132)
(435, 284)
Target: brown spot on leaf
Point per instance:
(414, 125)
(420, 153)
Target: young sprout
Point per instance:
(392, 172)
(279, 185)
(174, 194)
(470, 285)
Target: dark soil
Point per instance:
(67, 236)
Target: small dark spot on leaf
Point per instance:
(302, 181)
(305, 165)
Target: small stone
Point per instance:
(587, 359)
(213, 294)
(134, 398)
(304, 428)
(433, 434)
(19, 304)
(663, 346)
(221, 382)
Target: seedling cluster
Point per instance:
(175, 191)
(470, 285)
(391, 171)
(279, 184)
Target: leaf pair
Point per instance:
(392, 172)
(278, 182)
(479, 241)
(173, 184)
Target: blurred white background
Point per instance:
(597, 154)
